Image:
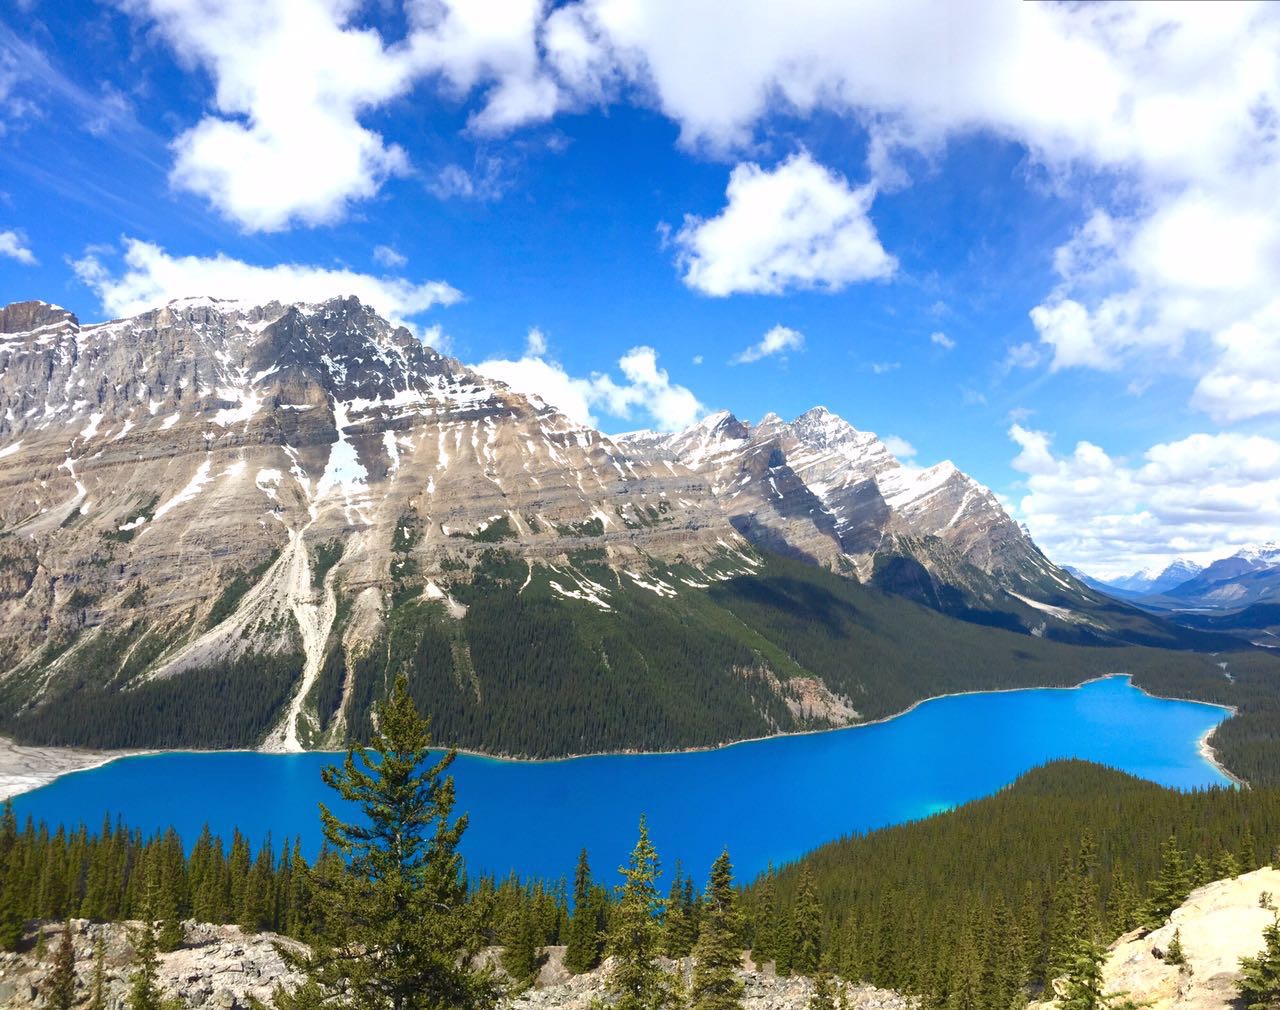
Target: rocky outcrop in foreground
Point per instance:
(1218, 925)
(222, 968)
(219, 967)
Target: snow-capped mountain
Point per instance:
(292, 502)
(1250, 575)
(1151, 580)
(821, 489)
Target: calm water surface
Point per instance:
(767, 800)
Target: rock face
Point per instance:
(209, 451)
(211, 483)
(1219, 924)
(821, 489)
(222, 968)
(219, 968)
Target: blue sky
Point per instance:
(1039, 240)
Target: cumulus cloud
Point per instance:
(1198, 497)
(285, 141)
(778, 340)
(799, 225)
(644, 386)
(149, 276)
(13, 244)
(940, 339)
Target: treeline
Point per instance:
(1001, 895)
(528, 672)
(974, 909)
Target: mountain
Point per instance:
(1250, 576)
(225, 524)
(1146, 581)
(820, 490)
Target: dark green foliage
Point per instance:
(229, 705)
(718, 952)
(1171, 886)
(1175, 954)
(584, 945)
(240, 583)
(1082, 987)
(680, 924)
(1259, 985)
(98, 985)
(144, 989)
(62, 980)
(395, 929)
(1068, 850)
(495, 532)
(324, 557)
(145, 511)
(636, 982)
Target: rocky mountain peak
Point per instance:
(24, 317)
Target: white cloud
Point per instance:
(284, 142)
(798, 225)
(884, 367)
(152, 277)
(940, 339)
(900, 447)
(778, 340)
(13, 244)
(645, 386)
(483, 182)
(387, 256)
(1199, 497)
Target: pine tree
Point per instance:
(98, 987)
(1082, 988)
(520, 957)
(823, 997)
(1171, 887)
(718, 953)
(1259, 985)
(1175, 953)
(582, 951)
(396, 932)
(764, 933)
(11, 918)
(680, 924)
(807, 927)
(636, 981)
(62, 980)
(1248, 850)
(144, 989)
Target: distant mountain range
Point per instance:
(230, 524)
(1239, 593)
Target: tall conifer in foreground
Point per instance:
(636, 981)
(583, 948)
(718, 952)
(395, 931)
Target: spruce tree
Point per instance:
(823, 997)
(98, 987)
(680, 924)
(1083, 988)
(144, 988)
(395, 930)
(62, 980)
(11, 917)
(1171, 887)
(807, 928)
(764, 933)
(1175, 954)
(635, 937)
(582, 951)
(1259, 985)
(717, 955)
(520, 956)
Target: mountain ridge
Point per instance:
(280, 503)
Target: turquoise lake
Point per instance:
(767, 800)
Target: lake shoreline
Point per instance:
(21, 770)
